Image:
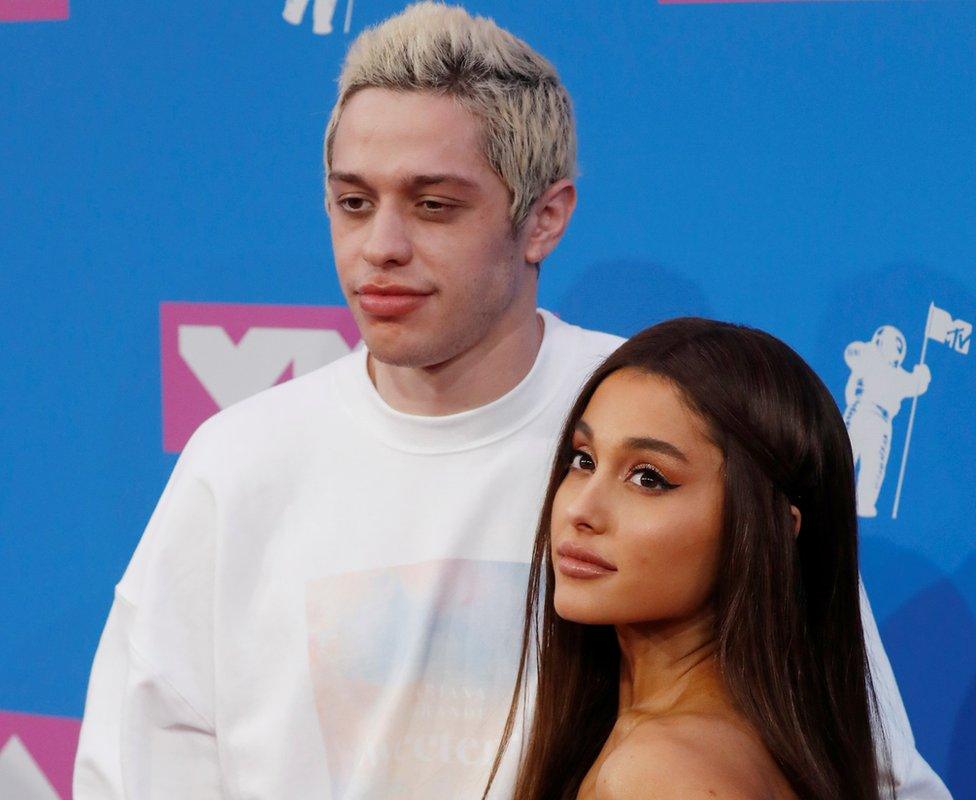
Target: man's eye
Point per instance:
(649, 478)
(581, 460)
(353, 204)
(433, 205)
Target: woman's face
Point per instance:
(637, 521)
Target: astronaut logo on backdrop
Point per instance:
(876, 388)
(217, 354)
(323, 12)
(874, 393)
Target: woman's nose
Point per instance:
(586, 507)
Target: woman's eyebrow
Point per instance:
(640, 443)
(656, 445)
(582, 427)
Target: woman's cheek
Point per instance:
(671, 568)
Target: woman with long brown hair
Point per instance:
(693, 611)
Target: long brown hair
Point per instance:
(788, 626)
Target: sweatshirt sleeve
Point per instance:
(913, 778)
(148, 730)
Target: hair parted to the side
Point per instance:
(529, 135)
(790, 645)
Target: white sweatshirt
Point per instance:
(328, 599)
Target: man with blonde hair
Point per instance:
(327, 601)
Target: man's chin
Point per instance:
(398, 346)
(400, 353)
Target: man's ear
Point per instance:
(797, 520)
(548, 219)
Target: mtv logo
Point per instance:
(37, 755)
(216, 354)
(33, 10)
(959, 338)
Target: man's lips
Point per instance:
(390, 300)
(577, 561)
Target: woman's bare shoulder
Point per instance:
(691, 756)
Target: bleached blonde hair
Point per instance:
(529, 135)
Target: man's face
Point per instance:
(421, 232)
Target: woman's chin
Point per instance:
(573, 610)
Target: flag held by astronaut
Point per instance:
(956, 333)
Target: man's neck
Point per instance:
(471, 379)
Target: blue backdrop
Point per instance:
(803, 167)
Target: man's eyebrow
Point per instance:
(413, 182)
(420, 181)
(348, 177)
(640, 443)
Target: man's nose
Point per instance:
(388, 242)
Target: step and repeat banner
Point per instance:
(806, 168)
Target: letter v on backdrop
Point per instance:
(216, 354)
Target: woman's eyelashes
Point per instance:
(580, 459)
(643, 475)
(647, 477)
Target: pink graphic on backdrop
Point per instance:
(216, 354)
(717, 2)
(33, 10)
(51, 743)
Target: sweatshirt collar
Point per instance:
(469, 429)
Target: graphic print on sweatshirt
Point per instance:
(413, 668)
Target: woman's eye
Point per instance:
(581, 460)
(649, 478)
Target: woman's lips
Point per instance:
(389, 301)
(578, 562)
